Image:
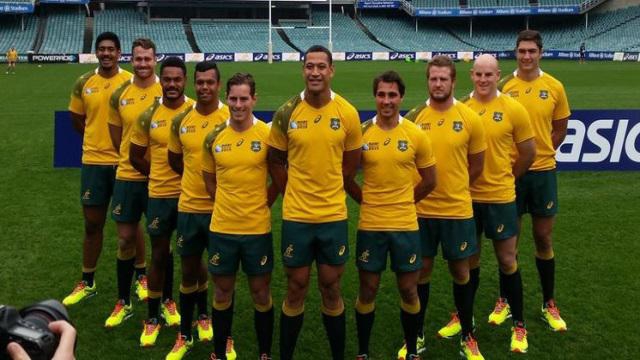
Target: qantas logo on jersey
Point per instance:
(222, 148)
(335, 123)
(158, 123)
(403, 145)
(457, 126)
(256, 146)
(497, 116)
(544, 94)
(300, 124)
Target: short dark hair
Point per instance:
(173, 61)
(108, 35)
(319, 48)
(442, 61)
(203, 66)
(389, 77)
(530, 35)
(242, 79)
(144, 43)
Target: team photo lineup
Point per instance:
(311, 208)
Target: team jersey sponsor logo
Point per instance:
(92, 90)
(371, 146)
(500, 228)
(129, 101)
(180, 241)
(155, 223)
(144, 96)
(317, 119)
(87, 195)
(335, 123)
(425, 126)
(215, 259)
(117, 210)
(288, 252)
(263, 260)
(544, 94)
(342, 250)
(413, 258)
(364, 257)
(497, 116)
(482, 112)
(365, 147)
(299, 124)
(387, 141)
(457, 126)
(528, 90)
(158, 123)
(463, 246)
(403, 145)
(205, 124)
(256, 146)
(222, 148)
(440, 122)
(549, 205)
(188, 129)
(240, 142)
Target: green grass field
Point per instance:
(595, 239)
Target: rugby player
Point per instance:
(12, 59)
(234, 167)
(151, 133)
(130, 191)
(188, 132)
(537, 191)
(445, 216)
(507, 125)
(89, 107)
(314, 149)
(394, 149)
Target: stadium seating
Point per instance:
(64, 32)
(236, 36)
(129, 24)
(436, 3)
(11, 34)
(496, 3)
(559, 2)
(347, 36)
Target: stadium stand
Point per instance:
(436, 3)
(64, 32)
(559, 2)
(233, 36)
(11, 33)
(129, 24)
(347, 36)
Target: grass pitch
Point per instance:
(595, 238)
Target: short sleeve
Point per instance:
(76, 104)
(208, 159)
(353, 140)
(477, 140)
(114, 109)
(424, 150)
(140, 133)
(278, 134)
(562, 110)
(522, 129)
(175, 145)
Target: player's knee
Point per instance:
(223, 295)
(408, 294)
(261, 296)
(507, 262)
(93, 228)
(126, 245)
(368, 292)
(330, 291)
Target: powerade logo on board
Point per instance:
(357, 56)
(54, 58)
(402, 55)
(601, 140)
(263, 56)
(221, 57)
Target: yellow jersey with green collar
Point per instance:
(188, 131)
(91, 97)
(128, 102)
(506, 123)
(315, 139)
(455, 134)
(239, 162)
(12, 55)
(546, 101)
(152, 131)
(390, 158)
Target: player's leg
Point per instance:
(140, 267)
(297, 256)
(222, 312)
(159, 255)
(126, 253)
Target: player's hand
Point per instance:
(67, 335)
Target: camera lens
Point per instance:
(44, 312)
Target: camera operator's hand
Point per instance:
(65, 349)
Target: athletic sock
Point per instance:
(124, 270)
(187, 305)
(290, 325)
(463, 298)
(423, 295)
(88, 278)
(221, 318)
(365, 316)
(513, 290)
(167, 289)
(263, 319)
(474, 278)
(503, 292)
(546, 270)
(140, 271)
(335, 326)
(409, 320)
(201, 301)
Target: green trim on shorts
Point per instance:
(326, 243)
(129, 201)
(537, 193)
(96, 184)
(403, 248)
(227, 251)
(162, 217)
(497, 221)
(456, 236)
(192, 233)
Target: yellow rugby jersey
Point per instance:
(454, 134)
(91, 96)
(152, 131)
(239, 161)
(315, 140)
(127, 103)
(506, 123)
(546, 101)
(188, 131)
(389, 160)
(12, 55)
